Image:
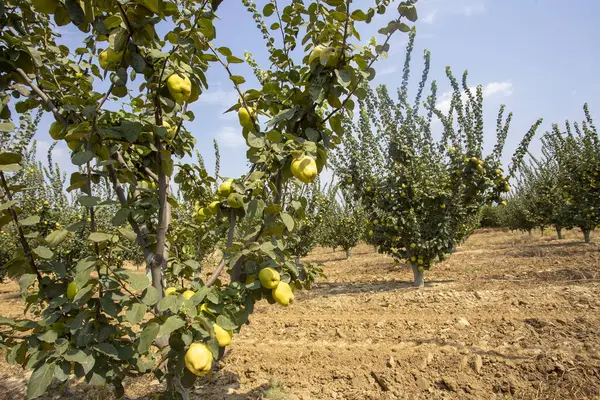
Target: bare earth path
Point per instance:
(507, 316)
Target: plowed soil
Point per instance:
(506, 316)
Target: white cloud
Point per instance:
(219, 97)
(230, 137)
(430, 17)
(491, 89)
(387, 70)
(472, 9)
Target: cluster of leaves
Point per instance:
(562, 188)
(121, 104)
(423, 196)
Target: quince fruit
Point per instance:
(269, 278)
(180, 87)
(305, 168)
(283, 294)
(198, 359)
(223, 336)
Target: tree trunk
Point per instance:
(530, 233)
(419, 277)
(559, 232)
(542, 229)
(297, 260)
(586, 235)
(347, 254)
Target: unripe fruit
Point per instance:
(72, 290)
(56, 131)
(110, 59)
(225, 188)
(235, 200)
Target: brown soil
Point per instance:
(507, 316)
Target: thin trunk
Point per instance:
(542, 229)
(419, 276)
(559, 232)
(586, 235)
(297, 260)
(530, 233)
(348, 254)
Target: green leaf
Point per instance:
(171, 324)
(48, 336)
(25, 281)
(82, 157)
(128, 234)
(121, 216)
(32, 220)
(344, 77)
(136, 313)
(408, 11)
(75, 11)
(256, 141)
(238, 80)
(226, 323)
(150, 296)
(358, 15)
(147, 336)
(10, 158)
(40, 380)
(7, 205)
(10, 167)
(7, 127)
(57, 237)
(107, 349)
(98, 237)
(234, 60)
(137, 281)
(339, 16)
(288, 221)
(268, 9)
(43, 252)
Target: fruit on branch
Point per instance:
(223, 336)
(305, 168)
(56, 130)
(170, 130)
(72, 290)
(235, 200)
(110, 59)
(245, 117)
(46, 6)
(214, 206)
(282, 294)
(180, 87)
(225, 188)
(269, 278)
(170, 291)
(204, 213)
(198, 359)
(188, 294)
(327, 56)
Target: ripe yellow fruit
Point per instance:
(56, 130)
(283, 294)
(235, 200)
(269, 278)
(188, 294)
(214, 206)
(204, 213)
(198, 359)
(110, 59)
(325, 55)
(79, 75)
(46, 6)
(225, 188)
(170, 291)
(305, 168)
(170, 130)
(223, 337)
(180, 87)
(244, 117)
(72, 290)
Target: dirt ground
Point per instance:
(507, 316)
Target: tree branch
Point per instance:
(222, 263)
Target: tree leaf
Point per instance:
(137, 281)
(40, 379)
(43, 252)
(107, 349)
(98, 237)
(7, 127)
(226, 323)
(57, 237)
(288, 221)
(171, 324)
(136, 313)
(10, 158)
(82, 157)
(32, 220)
(147, 336)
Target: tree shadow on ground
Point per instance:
(337, 288)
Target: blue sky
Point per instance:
(539, 57)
